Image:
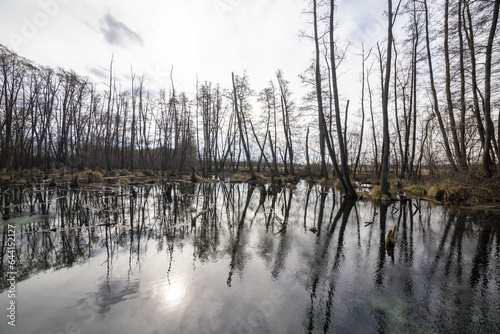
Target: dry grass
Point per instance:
(416, 190)
(239, 177)
(325, 182)
(469, 187)
(464, 188)
(377, 195)
(437, 193)
(94, 177)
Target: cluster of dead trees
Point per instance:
(435, 81)
(56, 118)
(230, 135)
(53, 118)
(431, 105)
(453, 42)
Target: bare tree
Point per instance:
(358, 155)
(437, 112)
(13, 75)
(345, 178)
(487, 163)
(286, 109)
(238, 103)
(385, 103)
(454, 131)
(319, 95)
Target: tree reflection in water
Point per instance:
(276, 275)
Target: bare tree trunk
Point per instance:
(423, 140)
(469, 34)
(124, 102)
(261, 148)
(385, 106)
(363, 59)
(375, 145)
(285, 111)
(176, 125)
(396, 114)
(454, 133)
(413, 99)
(13, 75)
(107, 143)
(319, 95)
(487, 162)
(198, 146)
(242, 134)
(463, 147)
(307, 153)
(273, 153)
(134, 125)
(358, 155)
(434, 93)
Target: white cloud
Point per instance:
(118, 33)
(198, 37)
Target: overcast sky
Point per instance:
(204, 38)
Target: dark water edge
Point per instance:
(233, 258)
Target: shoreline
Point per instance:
(470, 196)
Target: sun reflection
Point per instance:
(174, 292)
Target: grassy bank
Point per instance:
(469, 190)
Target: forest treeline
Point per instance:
(428, 101)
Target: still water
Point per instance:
(234, 258)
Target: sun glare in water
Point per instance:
(174, 292)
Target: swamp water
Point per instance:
(232, 258)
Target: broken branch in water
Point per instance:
(278, 218)
(195, 217)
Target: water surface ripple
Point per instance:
(234, 258)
